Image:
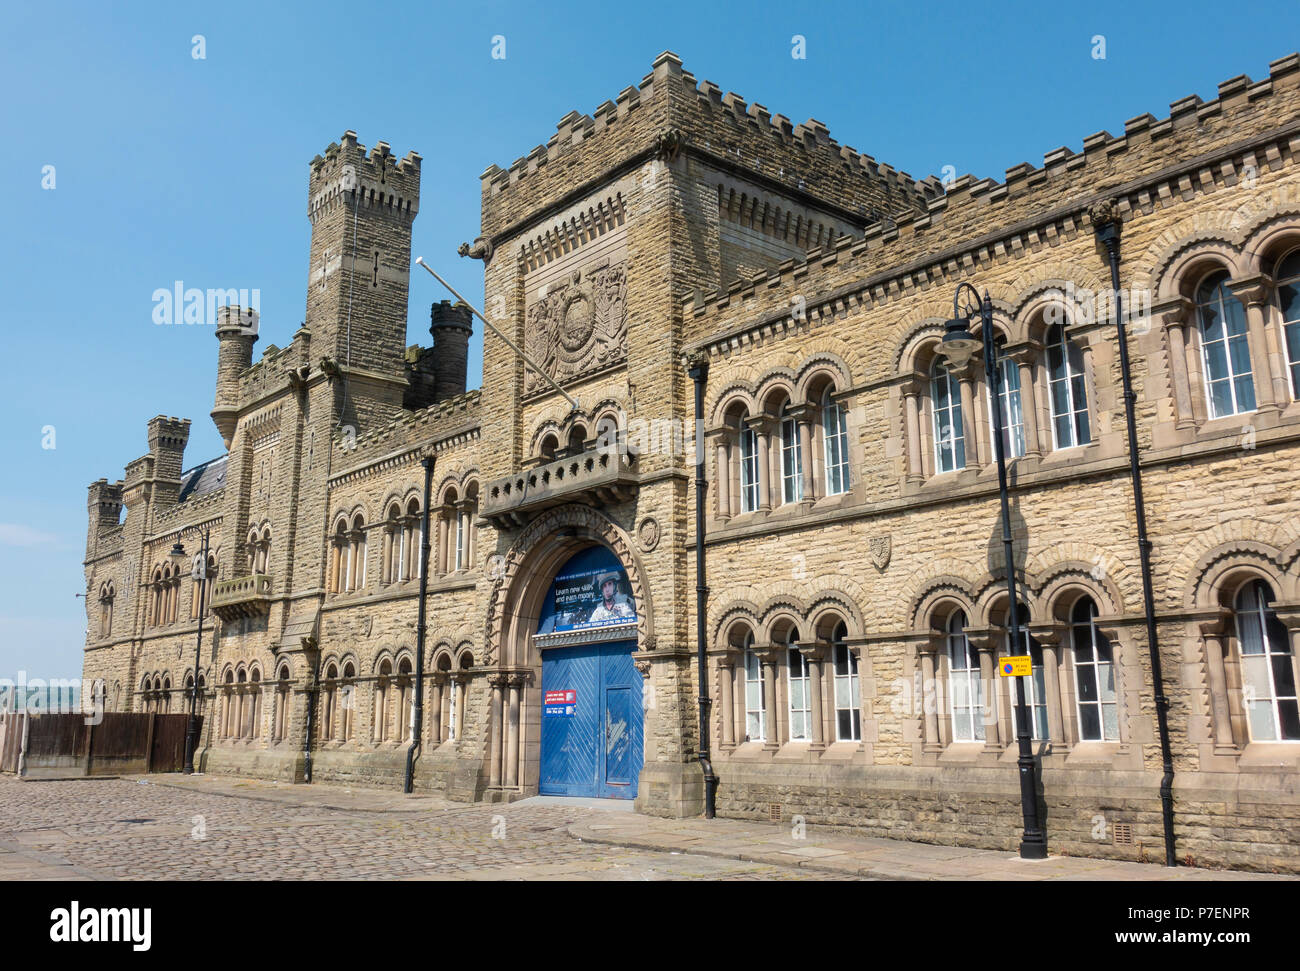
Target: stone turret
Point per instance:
(103, 509)
(237, 332)
(167, 440)
(451, 326)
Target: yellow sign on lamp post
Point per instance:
(1016, 666)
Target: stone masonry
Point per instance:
(856, 605)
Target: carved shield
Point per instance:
(879, 548)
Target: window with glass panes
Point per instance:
(755, 708)
(1094, 676)
(1288, 301)
(748, 470)
(800, 693)
(848, 692)
(791, 462)
(964, 683)
(1225, 348)
(1268, 667)
(1013, 418)
(949, 434)
(1068, 390)
(1035, 686)
(835, 437)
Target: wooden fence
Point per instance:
(49, 746)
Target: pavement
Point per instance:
(135, 828)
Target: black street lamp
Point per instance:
(198, 573)
(958, 346)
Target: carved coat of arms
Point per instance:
(579, 326)
(879, 548)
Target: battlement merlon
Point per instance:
(103, 511)
(668, 112)
(382, 180)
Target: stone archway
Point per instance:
(514, 609)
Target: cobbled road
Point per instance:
(144, 829)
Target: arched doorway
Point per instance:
(592, 731)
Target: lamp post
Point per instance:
(958, 346)
(200, 572)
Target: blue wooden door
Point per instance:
(592, 722)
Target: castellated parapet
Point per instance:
(670, 112)
(386, 184)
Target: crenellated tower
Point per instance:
(361, 206)
(237, 332)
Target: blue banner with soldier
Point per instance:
(590, 591)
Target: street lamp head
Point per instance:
(178, 554)
(959, 344)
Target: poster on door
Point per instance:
(586, 599)
(560, 704)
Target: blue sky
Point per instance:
(170, 168)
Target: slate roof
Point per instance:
(208, 477)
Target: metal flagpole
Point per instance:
(573, 403)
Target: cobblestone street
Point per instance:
(136, 829)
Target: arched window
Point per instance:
(382, 725)
(411, 540)
(949, 432)
(799, 692)
(965, 685)
(549, 446)
(282, 704)
(404, 707)
(347, 701)
(1035, 684)
(1268, 676)
(749, 472)
(1013, 418)
(1288, 302)
(255, 706)
(577, 438)
(835, 442)
(848, 691)
(1068, 390)
(357, 553)
(329, 723)
(227, 706)
(167, 695)
(107, 594)
(394, 552)
(338, 571)
(755, 694)
(1225, 348)
(791, 458)
(1094, 676)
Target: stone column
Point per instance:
(985, 642)
(726, 681)
(969, 419)
(928, 652)
(769, 657)
(815, 653)
(762, 428)
(1214, 640)
(722, 446)
(512, 733)
(495, 736)
(912, 429)
(1049, 638)
(806, 416)
(1256, 293)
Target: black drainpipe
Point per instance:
(313, 693)
(1106, 225)
(417, 731)
(698, 370)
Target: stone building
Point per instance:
(856, 599)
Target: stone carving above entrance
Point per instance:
(579, 326)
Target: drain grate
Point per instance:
(1123, 834)
(135, 820)
(773, 812)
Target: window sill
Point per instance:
(961, 752)
(1092, 753)
(1267, 756)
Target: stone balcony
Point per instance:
(598, 477)
(248, 596)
